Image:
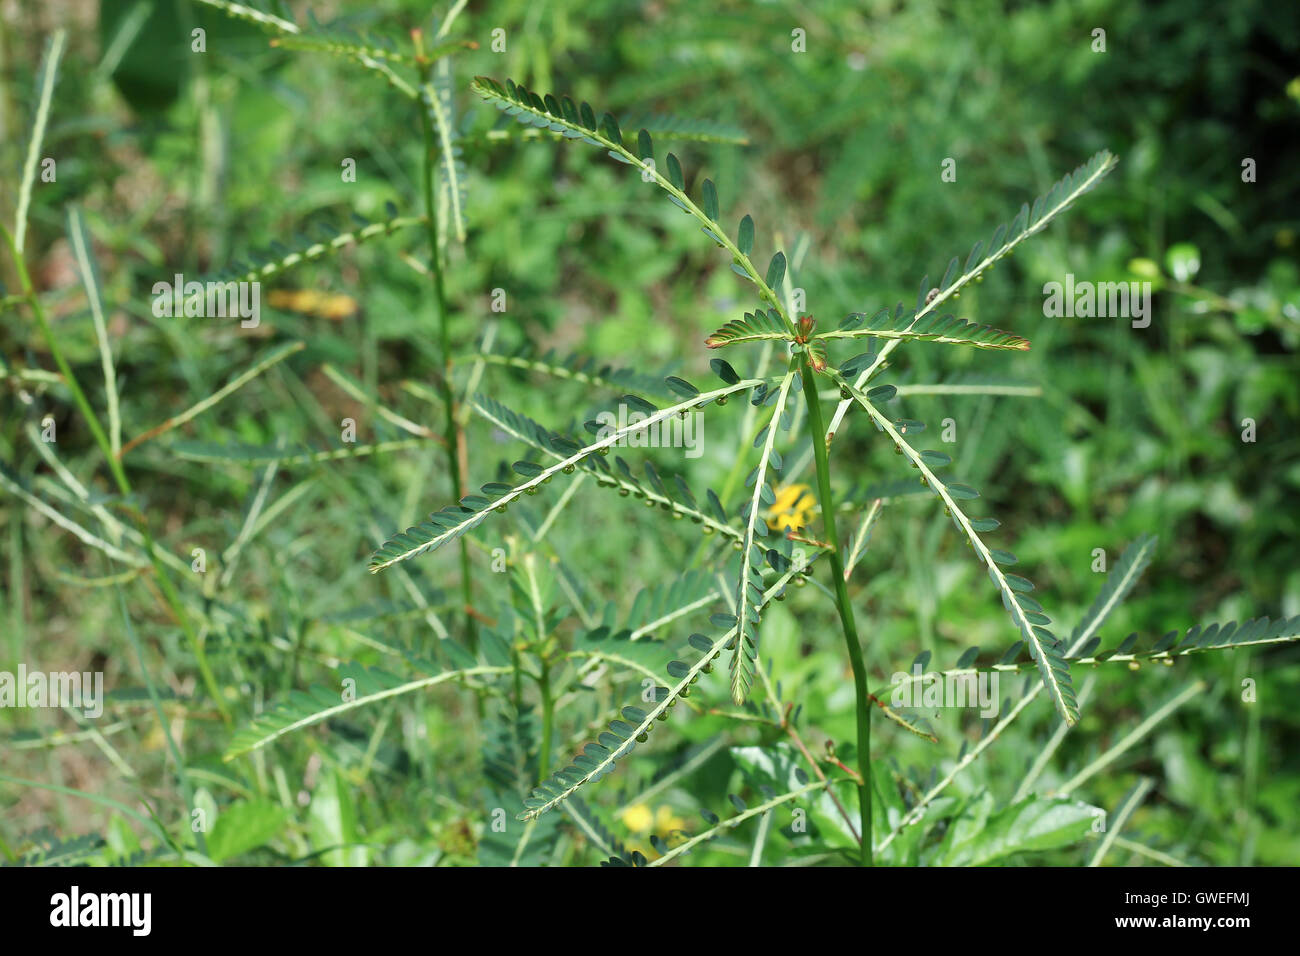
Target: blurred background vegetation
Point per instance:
(184, 162)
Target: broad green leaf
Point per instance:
(244, 826)
(332, 823)
(980, 835)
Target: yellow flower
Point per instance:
(638, 818)
(641, 820)
(792, 508)
(310, 302)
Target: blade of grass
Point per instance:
(269, 359)
(45, 83)
(1132, 800)
(80, 241)
(1131, 738)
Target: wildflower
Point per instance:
(309, 302)
(662, 822)
(792, 508)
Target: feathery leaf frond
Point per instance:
(746, 813)
(559, 447)
(1025, 612)
(981, 258)
(1119, 582)
(1030, 221)
(591, 826)
(944, 329)
(1256, 632)
(599, 758)
(577, 368)
(667, 127)
(754, 327)
(657, 605)
(276, 260)
(579, 122)
(305, 708)
(358, 47)
(285, 455)
(748, 592)
(453, 521)
(253, 14)
(437, 102)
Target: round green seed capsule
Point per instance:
(642, 738)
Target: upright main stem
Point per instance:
(842, 601)
(455, 436)
(548, 722)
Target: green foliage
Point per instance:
(436, 712)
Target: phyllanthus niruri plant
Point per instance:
(807, 354)
(807, 357)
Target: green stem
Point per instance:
(452, 430)
(842, 602)
(119, 477)
(548, 713)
